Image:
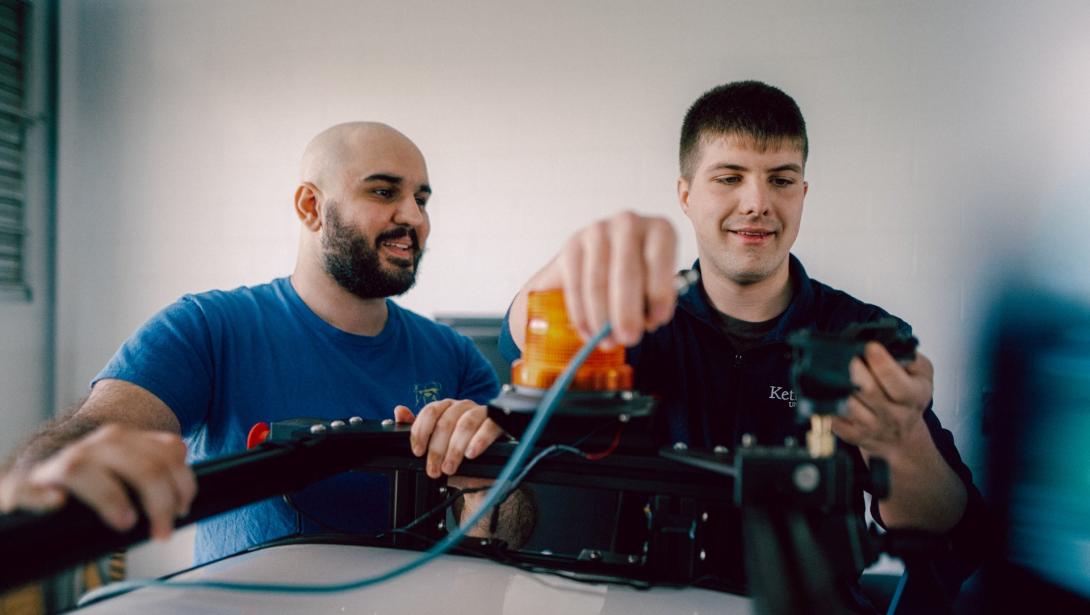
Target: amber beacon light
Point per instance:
(551, 342)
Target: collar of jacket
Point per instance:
(796, 316)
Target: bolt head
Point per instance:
(806, 477)
(317, 428)
(681, 446)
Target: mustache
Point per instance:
(400, 232)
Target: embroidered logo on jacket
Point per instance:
(426, 393)
(783, 394)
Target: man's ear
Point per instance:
(683, 194)
(308, 205)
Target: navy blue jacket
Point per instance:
(709, 393)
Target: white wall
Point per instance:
(939, 131)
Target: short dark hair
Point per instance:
(745, 108)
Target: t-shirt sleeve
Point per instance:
(170, 356)
(479, 381)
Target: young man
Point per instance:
(717, 358)
(325, 342)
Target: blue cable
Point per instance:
(499, 488)
(897, 594)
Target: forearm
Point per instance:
(925, 492)
(111, 401)
(50, 438)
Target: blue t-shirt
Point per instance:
(224, 360)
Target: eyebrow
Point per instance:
(737, 167)
(397, 180)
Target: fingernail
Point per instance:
(126, 518)
(472, 452)
(448, 467)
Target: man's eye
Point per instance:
(782, 182)
(729, 179)
(383, 192)
(421, 201)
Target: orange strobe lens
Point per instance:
(551, 342)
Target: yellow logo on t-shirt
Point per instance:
(426, 393)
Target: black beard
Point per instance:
(355, 265)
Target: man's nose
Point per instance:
(755, 199)
(409, 212)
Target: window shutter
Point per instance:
(13, 118)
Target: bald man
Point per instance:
(326, 342)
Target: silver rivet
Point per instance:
(442, 524)
(806, 477)
(790, 441)
(595, 555)
(484, 542)
(356, 420)
(442, 490)
(506, 388)
(507, 411)
(338, 424)
(704, 516)
(720, 449)
(703, 555)
(387, 422)
(632, 559)
(623, 418)
(627, 395)
(680, 446)
(748, 439)
(317, 428)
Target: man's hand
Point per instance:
(618, 270)
(884, 416)
(98, 469)
(448, 431)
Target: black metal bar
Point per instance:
(35, 546)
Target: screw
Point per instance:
(806, 477)
(680, 446)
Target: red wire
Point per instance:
(612, 447)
